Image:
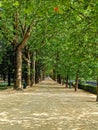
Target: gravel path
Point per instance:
(48, 106)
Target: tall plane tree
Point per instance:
(19, 18)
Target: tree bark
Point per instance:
(37, 72)
(67, 81)
(18, 69)
(42, 73)
(9, 76)
(97, 90)
(54, 75)
(18, 59)
(76, 83)
(33, 61)
(28, 73)
(59, 78)
(27, 58)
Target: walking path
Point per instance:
(48, 106)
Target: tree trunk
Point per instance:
(41, 77)
(9, 76)
(33, 61)
(28, 73)
(4, 77)
(76, 84)
(97, 90)
(62, 81)
(42, 74)
(54, 75)
(67, 81)
(28, 61)
(59, 78)
(77, 80)
(37, 72)
(18, 69)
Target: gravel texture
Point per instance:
(48, 106)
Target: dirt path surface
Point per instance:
(48, 107)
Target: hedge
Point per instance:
(88, 88)
(3, 86)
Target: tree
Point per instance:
(18, 24)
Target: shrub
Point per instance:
(88, 88)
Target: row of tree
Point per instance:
(43, 38)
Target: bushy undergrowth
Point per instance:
(88, 88)
(3, 86)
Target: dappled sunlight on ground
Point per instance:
(48, 106)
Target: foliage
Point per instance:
(88, 88)
(64, 33)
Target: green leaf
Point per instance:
(0, 4)
(16, 4)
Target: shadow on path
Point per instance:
(48, 106)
